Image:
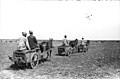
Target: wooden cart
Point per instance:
(31, 58)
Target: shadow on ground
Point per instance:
(15, 67)
(23, 66)
(60, 54)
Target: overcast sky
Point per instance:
(92, 20)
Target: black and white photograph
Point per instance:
(59, 39)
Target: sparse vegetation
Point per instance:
(102, 61)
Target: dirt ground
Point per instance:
(102, 61)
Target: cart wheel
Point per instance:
(34, 61)
(85, 49)
(68, 53)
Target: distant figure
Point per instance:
(32, 40)
(65, 41)
(83, 42)
(23, 42)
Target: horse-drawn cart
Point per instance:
(67, 50)
(83, 48)
(31, 58)
(73, 47)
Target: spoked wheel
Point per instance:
(86, 49)
(68, 51)
(34, 61)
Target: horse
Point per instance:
(87, 42)
(46, 46)
(73, 43)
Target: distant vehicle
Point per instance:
(67, 50)
(31, 58)
(84, 48)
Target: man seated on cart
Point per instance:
(23, 42)
(83, 43)
(33, 44)
(22, 46)
(32, 40)
(27, 43)
(65, 41)
(66, 44)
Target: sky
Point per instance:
(93, 20)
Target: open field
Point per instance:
(102, 61)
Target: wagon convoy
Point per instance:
(67, 50)
(31, 58)
(73, 47)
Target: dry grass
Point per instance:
(100, 62)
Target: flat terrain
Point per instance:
(102, 61)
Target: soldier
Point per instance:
(83, 43)
(65, 41)
(32, 40)
(23, 42)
